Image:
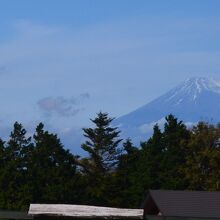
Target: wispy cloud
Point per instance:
(62, 106)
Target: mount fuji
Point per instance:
(196, 99)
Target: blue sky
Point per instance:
(63, 61)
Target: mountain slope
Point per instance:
(193, 100)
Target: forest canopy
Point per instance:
(115, 172)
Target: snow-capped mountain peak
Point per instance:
(192, 88)
(202, 83)
(193, 100)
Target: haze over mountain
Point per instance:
(193, 100)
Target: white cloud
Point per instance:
(148, 128)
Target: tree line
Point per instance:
(114, 172)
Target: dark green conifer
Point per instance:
(15, 182)
(101, 145)
(54, 169)
(103, 153)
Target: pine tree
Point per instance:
(175, 139)
(3, 183)
(152, 155)
(17, 157)
(103, 154)
(101, 145)
(126, 179)
(53, 170)
(2, 153)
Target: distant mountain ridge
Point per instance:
(193, 100)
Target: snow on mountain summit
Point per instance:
(192, 88)
(203, 83)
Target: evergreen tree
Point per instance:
(127, 183)
(151, 156)
(2, 154)
(101, 145)
(53, 170)
(175, 138)
(14, 176)
(103, 152)
(3, 182)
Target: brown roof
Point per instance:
(183, 203)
